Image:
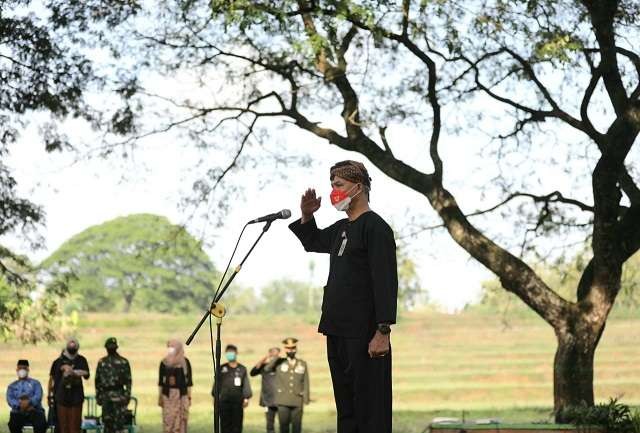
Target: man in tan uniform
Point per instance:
(291, 386)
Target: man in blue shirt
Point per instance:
(25, 399)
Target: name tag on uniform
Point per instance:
(237, 381)
(299, 369)
(343, 245)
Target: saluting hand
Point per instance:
(309, 203)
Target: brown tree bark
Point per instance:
(573, 365)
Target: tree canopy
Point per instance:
(46, 74)
(30, 309)
(138, 261)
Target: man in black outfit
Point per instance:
(235, 392)
(360, 297)
(267, 390)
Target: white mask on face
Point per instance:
(171, 350)
(343, 205)
(22, 373)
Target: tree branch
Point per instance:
(383, 136)
(432, 96)
(555, 197)
(629, 187)
(535, 115)
(586, 99)
(635, 59)
(406, 4)
(514, 274)
(602, 16)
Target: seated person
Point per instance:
(25, 399)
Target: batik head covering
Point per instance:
(353, 171)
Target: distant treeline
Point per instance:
(143, 262)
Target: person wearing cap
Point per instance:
(65, 387)
(360, 298)
(267, 390)
(292, 387)
(24, 396)
(113, 387)
(235, 392)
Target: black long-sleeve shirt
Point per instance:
(362, 287)
(267, 390)
(175, 377)
(69, 390)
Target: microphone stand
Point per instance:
(218, 310)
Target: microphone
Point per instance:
(283, 214)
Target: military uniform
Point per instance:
(113, 389)
(292, 388)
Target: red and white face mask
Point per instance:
(341, 199)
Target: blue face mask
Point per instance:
(231, 356)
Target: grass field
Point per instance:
(443, 365)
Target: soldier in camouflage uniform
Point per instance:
(113, 388)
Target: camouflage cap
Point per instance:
(111, 341)
(290, 342)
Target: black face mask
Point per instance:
(72, 350)
(291, 355)
(112, 350)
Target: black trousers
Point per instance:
(361, 386)
(270, 413)
(290, 415)
(231, 416)
(36, 418)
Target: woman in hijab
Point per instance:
(65, 387)
(175, 382)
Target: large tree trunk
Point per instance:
(578, 339)
(573, 372)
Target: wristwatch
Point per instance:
(384, 328)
